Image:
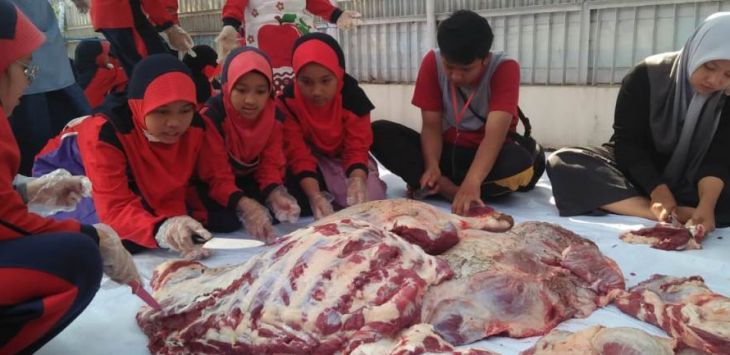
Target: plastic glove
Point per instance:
(349, 19)
(321, 205)
(256, 219)
(226, 41)
(180, 40)
(356, 190)
(82, 5)
(177, 233)
(284, 205)
(57, 191)
(117, 262)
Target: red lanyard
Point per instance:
(458, 115)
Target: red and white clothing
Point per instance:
(138, 183)
(42, 291)
(255, 146)
(274, 25)
(338, 132)
(496, 89)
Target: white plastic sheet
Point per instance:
(108, 325)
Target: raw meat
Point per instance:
(422, 224)
(597, 340)
(667, 237)
(520, 283)
(323, 289)
(416, 340)
(684, 307)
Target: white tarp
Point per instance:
(108, 325)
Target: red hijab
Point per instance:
(246, 138)
(323, 125)
(160, 170)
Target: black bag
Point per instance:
(525, 140)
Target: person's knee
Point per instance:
(559, 158)
(80, 258)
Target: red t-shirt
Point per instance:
(505, 92)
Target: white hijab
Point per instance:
(683, 122)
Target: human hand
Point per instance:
(662, 203)
(117, 262)
(284, 205)
(58, 191)
(468, 195)
(226, 41)
(321, 204)
(177, 233)
(349, 19)
(357, 189)
(256, 219)
(180, 41)
(430, 181)
(703, 216)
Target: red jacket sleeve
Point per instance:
(324, 9)
(213, 169)
(427, 93)
(15, 219)
(157, 13)
(299, 157)
(117, 205)
(270, 172)
(358, 139)
(232, 13)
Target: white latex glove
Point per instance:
(57, 191)
(349, 19)
(256, 219)
(284, 205)
(82, 5)
(180, 41)
(117, 262)
(226, 41)
(321, 205)
(356, 190)
(177, 233)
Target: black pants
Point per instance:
(218, 218)
(46, 280)
(586, 178)
(398, 148)
(130, 45)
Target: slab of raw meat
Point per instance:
(598, 340)
(519, 283)
(416, 340)
(432, 229)
(322, 289)
(667, 237)
(684, 307)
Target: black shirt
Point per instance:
(636, 154)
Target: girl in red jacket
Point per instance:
(327, 132)
(49, 270)
(140, 153)
(244, 115)
(98, 72)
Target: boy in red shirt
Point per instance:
(468, 100)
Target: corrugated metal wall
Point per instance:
(557, 42)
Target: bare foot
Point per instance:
(447, 189)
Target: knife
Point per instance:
(138, 290)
